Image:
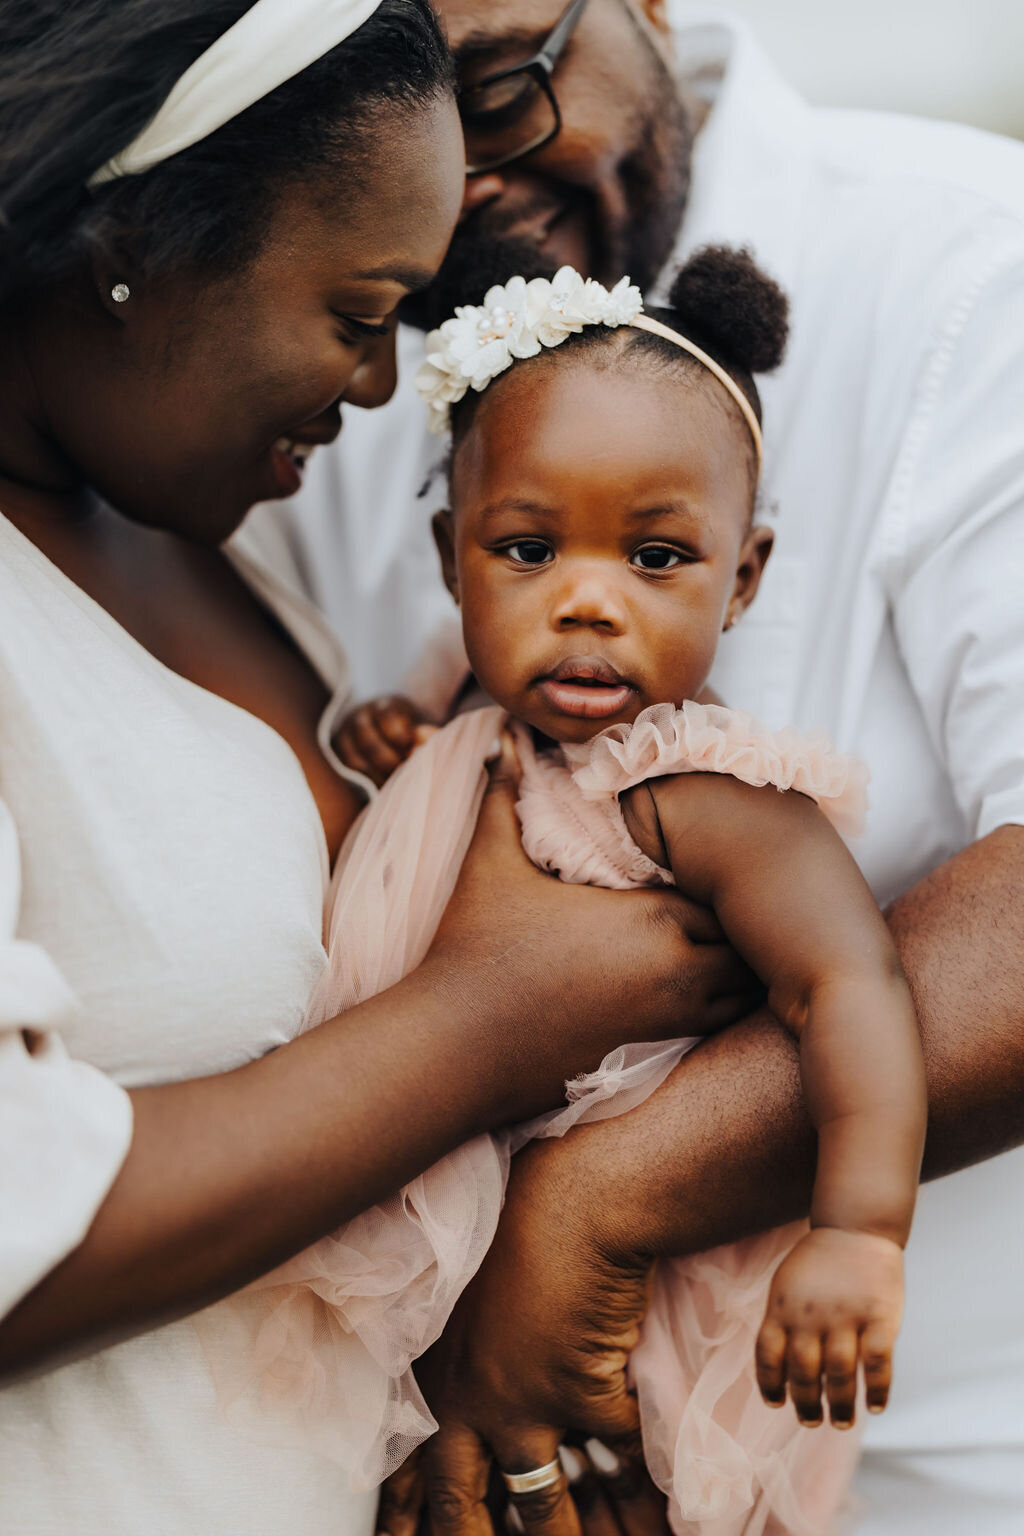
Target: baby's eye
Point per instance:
(529, 552)
(657, 558)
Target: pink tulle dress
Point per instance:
(320, 1352)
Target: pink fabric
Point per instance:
(320, 1352)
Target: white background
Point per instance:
(959, 59)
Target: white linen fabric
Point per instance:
(890, 613)
(162, 877)
(274, 41)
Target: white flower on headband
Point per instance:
(514, 321)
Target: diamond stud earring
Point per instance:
(120, 293)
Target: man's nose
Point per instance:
(376, 375)
(481, 190)
(589, 599)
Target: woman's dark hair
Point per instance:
(79, 79)
(720, 299)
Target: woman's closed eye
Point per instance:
(355, 331)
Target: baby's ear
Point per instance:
(443, 525)
(754, 552)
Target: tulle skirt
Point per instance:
(320, 1353)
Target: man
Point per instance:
(891, 611)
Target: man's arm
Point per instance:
(725, 1147)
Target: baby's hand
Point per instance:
(837, 1299)
(376, 738)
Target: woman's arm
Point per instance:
(527, 982)
(795, 905)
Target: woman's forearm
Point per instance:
(726, 1148)
(229, 1175)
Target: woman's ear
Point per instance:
(443, 525)
(754, 552)
(115, 285)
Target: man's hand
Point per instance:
(525, 1365)
(376, 738)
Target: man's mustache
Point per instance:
(475, 262)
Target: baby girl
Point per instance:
(601, 535)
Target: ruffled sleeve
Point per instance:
(708, 738)
(65, 1128)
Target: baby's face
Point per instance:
(599, 542)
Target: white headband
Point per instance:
(274, 41)
(521, 318)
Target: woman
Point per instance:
(185, 306)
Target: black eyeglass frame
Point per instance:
(541, 67)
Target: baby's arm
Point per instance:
(794, 904)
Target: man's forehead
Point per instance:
(476, 26)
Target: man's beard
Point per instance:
(655, 175)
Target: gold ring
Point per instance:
(533, 1482)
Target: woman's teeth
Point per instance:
(300, 452)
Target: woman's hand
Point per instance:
(562, 974)
(535, 1353)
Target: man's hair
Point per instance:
(79, 79)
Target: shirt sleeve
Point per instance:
(958, 585)
(65, 1128)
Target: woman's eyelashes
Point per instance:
(355, 331)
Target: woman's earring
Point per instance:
(120, 293)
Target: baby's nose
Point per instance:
(588, 598)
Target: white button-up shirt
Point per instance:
(891, 613)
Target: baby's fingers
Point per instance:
(770, 1355)
(803, 1368)
(841, 1376)
(876, 1344)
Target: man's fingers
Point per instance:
(549, 1511)
(588, 1494)
(841, 1376)
(876, 1354)
(641, 1508)
(770, 1356)
(401, 1499)
(456, 1465)
(803, 1369)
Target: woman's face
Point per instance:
(195, 400)
(599, 541)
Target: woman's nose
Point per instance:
(589, 600)
(376, 375)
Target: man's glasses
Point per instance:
(512, 113)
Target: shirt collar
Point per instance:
(753, 157)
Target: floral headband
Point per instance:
(521, 318)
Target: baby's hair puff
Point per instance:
(720, 300)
